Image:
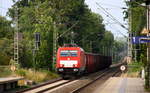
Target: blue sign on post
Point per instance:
(140, 39)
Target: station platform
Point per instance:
(122, 85)
(9, 83)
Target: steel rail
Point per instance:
(98, 78)
(40, 85)
(46, 89)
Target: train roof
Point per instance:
(92, 53)
(79, 48)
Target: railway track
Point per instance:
(74, 85)
(48, 86)
(40, 85)
(71, 84)
(106, 75)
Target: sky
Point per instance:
(114, 7)
(4, 5)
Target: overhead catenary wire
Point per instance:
(112, 5)
(68, 30)
(108, 15)
(115, 23)
(112, 17)
(112, 8)
(118, 30)
(88, 36)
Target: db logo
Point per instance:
(122, 68)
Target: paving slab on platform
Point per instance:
(122, 85)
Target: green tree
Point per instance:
(5, 28)
(6, 39)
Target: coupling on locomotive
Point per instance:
(73, 60)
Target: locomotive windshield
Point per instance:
(66, 53)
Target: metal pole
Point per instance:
(148, 45)
(104, 51)
(54, 46)
(112, 53)
(135, 55)
(130, 36)
(16, 38)
(148, 66)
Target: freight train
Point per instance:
(73, 61)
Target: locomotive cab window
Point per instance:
(66, 53)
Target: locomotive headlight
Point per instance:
(61, 69)
(61, 65)
(75, 69)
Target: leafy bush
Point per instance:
(134, 69)
(5, 72)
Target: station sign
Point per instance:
(140, 39)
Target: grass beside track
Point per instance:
(134, 69)
(37, 76)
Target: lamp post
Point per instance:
(130, 36)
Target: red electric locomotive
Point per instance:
(72, 60)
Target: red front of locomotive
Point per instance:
(70, 60)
